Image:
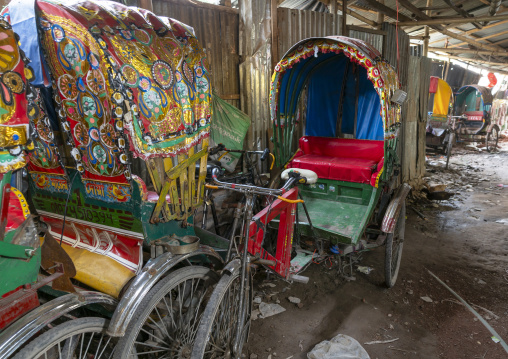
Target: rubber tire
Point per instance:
(45, 341)
(449, 147)
(211, 311)
(391, 278)
(154, 296)
(489, 148)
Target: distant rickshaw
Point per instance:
(473, 116)
(440, 124)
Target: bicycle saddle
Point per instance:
(311, 176)
(210, 165)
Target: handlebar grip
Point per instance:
(290, 200)
(216, 149)
(265, 154)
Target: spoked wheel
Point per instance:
(449, 146)
(491, 140)
(217, 332)
(166, 322)
(393, 249)
(82, 338)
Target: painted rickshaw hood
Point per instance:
(484, 91)
(379, 71)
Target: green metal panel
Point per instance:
(17, 272)
(339, 211)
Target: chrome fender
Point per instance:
(154, 270)
(19, 332)
(393, 210)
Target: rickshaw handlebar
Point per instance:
(245, 188)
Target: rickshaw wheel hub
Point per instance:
(185, 351)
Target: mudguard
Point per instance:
(393, 210)
(154, 270)
(19, 332)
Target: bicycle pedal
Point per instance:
(299, 278)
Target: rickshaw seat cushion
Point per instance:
(340, 159)
(342, 147)
(154, 197)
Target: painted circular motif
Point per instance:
(81, 134)
(95, 81)
(199, 71)
(99, 153)
(144, 83)
(123, 158)
(119, 125)
(162, 74)
(94, 134)
(29, 74)
(142, 36)
(131, 75)
(107, 135)
(188, 72)
(44, 131)
(13, 81)
(67, 87)
(118, 111)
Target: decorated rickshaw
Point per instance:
(473, 116)
(351, 123)
(440, 125)
(113, 179)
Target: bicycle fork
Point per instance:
(245, 273)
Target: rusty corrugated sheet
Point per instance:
(217, 30)
(296, 25)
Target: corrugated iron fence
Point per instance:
(216, 28)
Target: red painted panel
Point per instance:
(11, 310)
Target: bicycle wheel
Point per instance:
(449, 146)
(491, 140)
(217, 331)
(393, 249)
(81, 338)
(165, 324)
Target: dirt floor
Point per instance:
(459, 241)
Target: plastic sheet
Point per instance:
(339, 347)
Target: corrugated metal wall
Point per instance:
(217, 30)
(296, 25)
(375, 40)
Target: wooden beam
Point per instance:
(462, 12)
(469, 32)
(476, 60)
(344, 18)
(275, 33)
(483, 38)
(380, 16)
(452, 20)
(421, 15)
(358, 16)
(468, 51)
(426, 34)
(388, 11)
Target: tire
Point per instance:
(491, 139)
(67, 341)
(168, 336)
(222, 312)
(449, 147)
(393, 249)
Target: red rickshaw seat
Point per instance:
(340, 159)
(474, 115)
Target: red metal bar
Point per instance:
(287, 212)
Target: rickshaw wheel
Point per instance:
(76, 339)
(216, 334)
(153, 331)
(393, 249)
(491, 140)
(449, 147)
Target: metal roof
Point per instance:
(494, 33)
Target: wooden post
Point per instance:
(380, 17)
(275, 33)
(146, 4)
(333, 7)
(427, 29)
(344, 17)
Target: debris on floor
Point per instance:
(268, 309)
(364, 270)
(339, 347)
